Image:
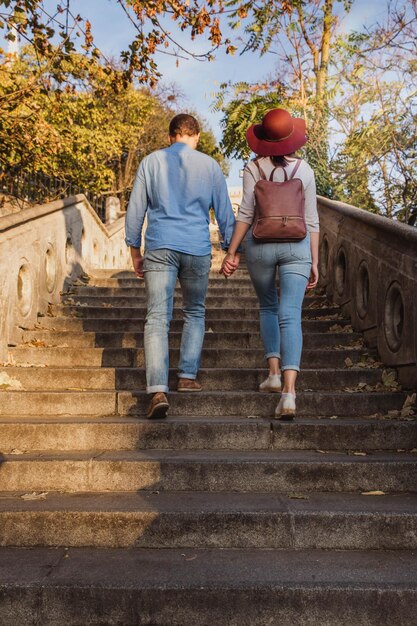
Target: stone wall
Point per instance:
(368, 264)
(43, 250)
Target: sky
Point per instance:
(199, 81)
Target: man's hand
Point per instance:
(314, 277)
(137, 260)
(230, 264)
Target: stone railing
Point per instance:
(43, 250)
(368, 265)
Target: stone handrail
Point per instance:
(43, 250)
(368, 265)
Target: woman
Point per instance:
(275, 142)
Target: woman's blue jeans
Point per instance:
(161, 270)
(280, 317)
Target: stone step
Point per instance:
(213, 403)
(96, 586)
(129, 357)
(225, 403)
(212, 312)
(218, 292)
(129, 302)
(215, 280)
(343, 521)
(211, 339)
(215, 379)
(215, 289)
(136, 324)
(349, 435)
(213, 470)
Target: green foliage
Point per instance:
(245, 108)
(87, 133)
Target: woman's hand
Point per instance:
(230, 264)
(314, 277)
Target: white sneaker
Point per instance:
(286, 407)
(271, 384)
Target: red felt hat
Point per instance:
(278, 135)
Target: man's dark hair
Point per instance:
(184, 124)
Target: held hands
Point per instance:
(230, 264)
(314, 277)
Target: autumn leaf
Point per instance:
(35, 496)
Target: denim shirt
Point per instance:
(175, 188)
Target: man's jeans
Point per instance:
(280, 320)
(161, 269)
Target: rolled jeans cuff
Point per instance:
(157, 388)
(189, 376)
(290, 367)
(272, 355)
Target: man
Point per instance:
(175, 188)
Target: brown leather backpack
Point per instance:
(279, 208)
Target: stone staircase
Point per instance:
(219, 514)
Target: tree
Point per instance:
(377, 112)
(86, 134)
(49, 32)
(301, 35)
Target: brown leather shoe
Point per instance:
(188, 384)
(158, 406)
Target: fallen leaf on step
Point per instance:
(106, 305)
(358, 453)
(409, 406)
(373, 493)
(348, 362)
(297, 496)
(37, 343)
(388, 377)
(209, 330)
(17, 451)
(410, 400)
(189, 558)
(413, 450)
(35, 496)
(7, 382)
(253, 417)
(335, 328)
(322, 451)
(333, 417)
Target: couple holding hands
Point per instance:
(175, 188)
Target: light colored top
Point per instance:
(304, 173)
(176, 187)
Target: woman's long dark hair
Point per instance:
(281, 161)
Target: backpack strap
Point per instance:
(297, 165)
(261, 172)
(271, 177)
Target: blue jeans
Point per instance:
(280, 319)
(161, 269)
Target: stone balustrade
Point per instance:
(43, 250)
(368, 264)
